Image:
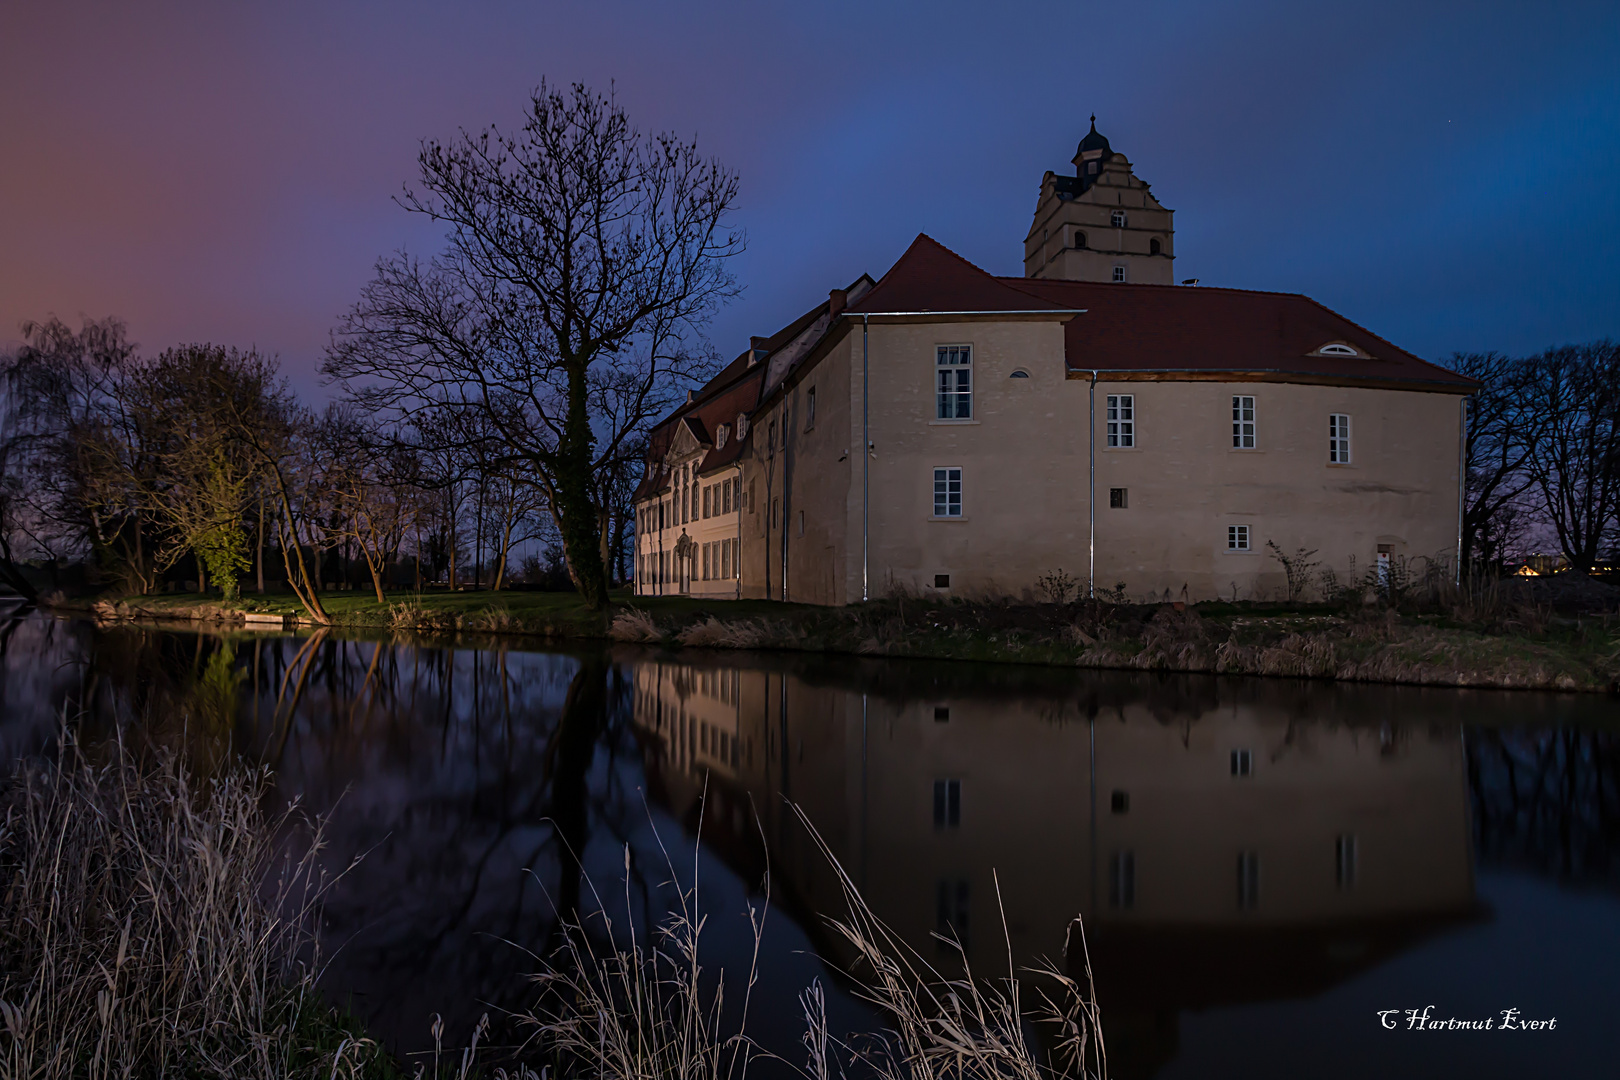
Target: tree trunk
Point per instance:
(258, 561)
(576, 512)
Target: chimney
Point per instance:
(837, 301)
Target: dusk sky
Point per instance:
(1446, 174)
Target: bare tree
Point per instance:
(582, 261)
(1572, 405)
(1497, 448)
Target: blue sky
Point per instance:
(1444, 173)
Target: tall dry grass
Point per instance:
(632, 1003)
(151, 925)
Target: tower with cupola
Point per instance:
(1101, 224)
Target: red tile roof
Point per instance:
(1160, 328)
(932, 277)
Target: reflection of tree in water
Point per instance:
(1547, 799)
(469, 780)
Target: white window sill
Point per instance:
(1250, 551)
(952, 423)
(958, 517)
(1245, 450)
(1341, 465)
(1121, 449)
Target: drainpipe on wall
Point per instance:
(1462, 482)
(866, 463)
(736, 559)
(1091, 473)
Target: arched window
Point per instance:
(1154, 247)
(1337, 349)
(1079, 239)
(1117, 219)
(1019, 374)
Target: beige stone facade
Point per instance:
(944, 432)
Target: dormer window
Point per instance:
(1337, 349)
(720, 434)
(742, 425)
(1117, 219)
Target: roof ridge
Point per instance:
(1156, 285)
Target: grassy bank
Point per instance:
(1483, 638)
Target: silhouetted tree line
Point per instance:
(1542, 455)
(497, 393)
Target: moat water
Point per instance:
(1263, 867)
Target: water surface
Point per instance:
(1262, 866)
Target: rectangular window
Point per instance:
(1119, 273)
(705, 502)
(953, 374)
(1344, 855)
(942, 581)
(736, 558)
(1248, 879)
(725, 497)
(1237, 538)
(1242, 422)
(1122, 420)
(801, 522)
(947, 493)
(736, 498)
(1338, 439)
(1242, 763)
(1117, 498)
(1122, 880)
(810, 409)
(947, 804)
(725, 559)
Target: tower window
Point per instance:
(1119, 273)
(1079, 239)
(1117, 219)
(1091, 168)
(1154, 247)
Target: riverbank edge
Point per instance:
(1368, 646)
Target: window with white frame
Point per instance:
(1237, 538)
(1338, 439)
(947, 492)
(953, 381)
(1242, 422)
(1121, 420)
(1117, 219)
(1119, 273)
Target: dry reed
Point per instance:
(152, 925)
(634, 624)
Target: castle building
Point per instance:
(945, 431)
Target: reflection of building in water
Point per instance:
(1220, 847)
